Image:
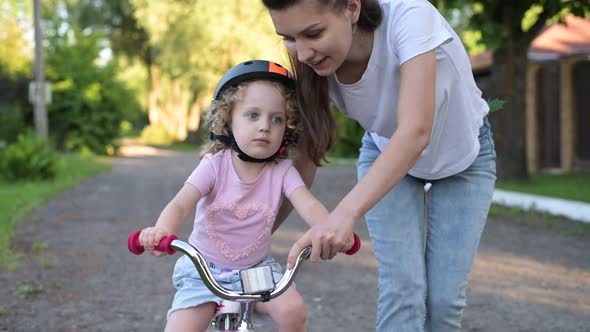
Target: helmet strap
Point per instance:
(230, 141)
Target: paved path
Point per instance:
(526, 277)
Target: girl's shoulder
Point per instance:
(281, 165)
(217, 159)
(219, 155)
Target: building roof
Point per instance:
(558, 40)
(553, 42)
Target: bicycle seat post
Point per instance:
(247, 309)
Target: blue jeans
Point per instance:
(425, 243)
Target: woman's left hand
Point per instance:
(326, 239)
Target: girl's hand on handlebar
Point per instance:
(149, 239)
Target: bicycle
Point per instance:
(258, 284)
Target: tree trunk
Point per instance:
(153, 106)
(509, 78)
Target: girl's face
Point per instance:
(317, 35)
(259, 119)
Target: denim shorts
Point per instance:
(191, 290)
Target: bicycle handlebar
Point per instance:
(170, 244)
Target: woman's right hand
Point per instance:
(326, 239)
(149, 239)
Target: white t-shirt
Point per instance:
(410, 28)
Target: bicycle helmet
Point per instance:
(254, 70)
(250, 71)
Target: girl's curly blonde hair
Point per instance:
(218, 117)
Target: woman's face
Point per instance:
(317, 35)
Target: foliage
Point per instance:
(11, 122)
(495, 105)
(89, 103)
(15, 48)
(122, 38)
(153, 135)
(114, 19)
(199, 40)
(495, 22)
(349, 136)
(16, 198)
(134, 75)
(28, 289)
(28, 158)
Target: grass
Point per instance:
(28, 289)
(535, 218)
(177, 146)
(573, 186)
(17, 198)
(185, 147)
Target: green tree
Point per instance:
(15, 50)
(89, 103)
(192, 44)
(507, 27)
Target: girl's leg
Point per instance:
(396, 227)
(457, 212)
(191, 319)
(288, 311)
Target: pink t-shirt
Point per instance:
(234, 219)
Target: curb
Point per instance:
(574, 210)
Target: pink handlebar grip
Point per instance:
(356, 246)
(135, 247)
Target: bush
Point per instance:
(11, 123)
(152, 135)
(29, 158)
(89, 103)
(348, 140)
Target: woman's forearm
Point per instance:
(404, 148)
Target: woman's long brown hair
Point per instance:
(319, 127)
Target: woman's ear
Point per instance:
(354, 10)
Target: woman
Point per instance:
(398, 68)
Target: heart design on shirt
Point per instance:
(224, 220)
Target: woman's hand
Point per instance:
(326, 239)
(150, 237)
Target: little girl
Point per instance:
(237, 189)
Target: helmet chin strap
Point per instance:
(230, 141)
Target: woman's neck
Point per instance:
(246, 171)
(355, 64)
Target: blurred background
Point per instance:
(79, 79)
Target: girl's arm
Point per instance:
(311, 210)
(307, 171)
(415, 117)
(172, 217)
